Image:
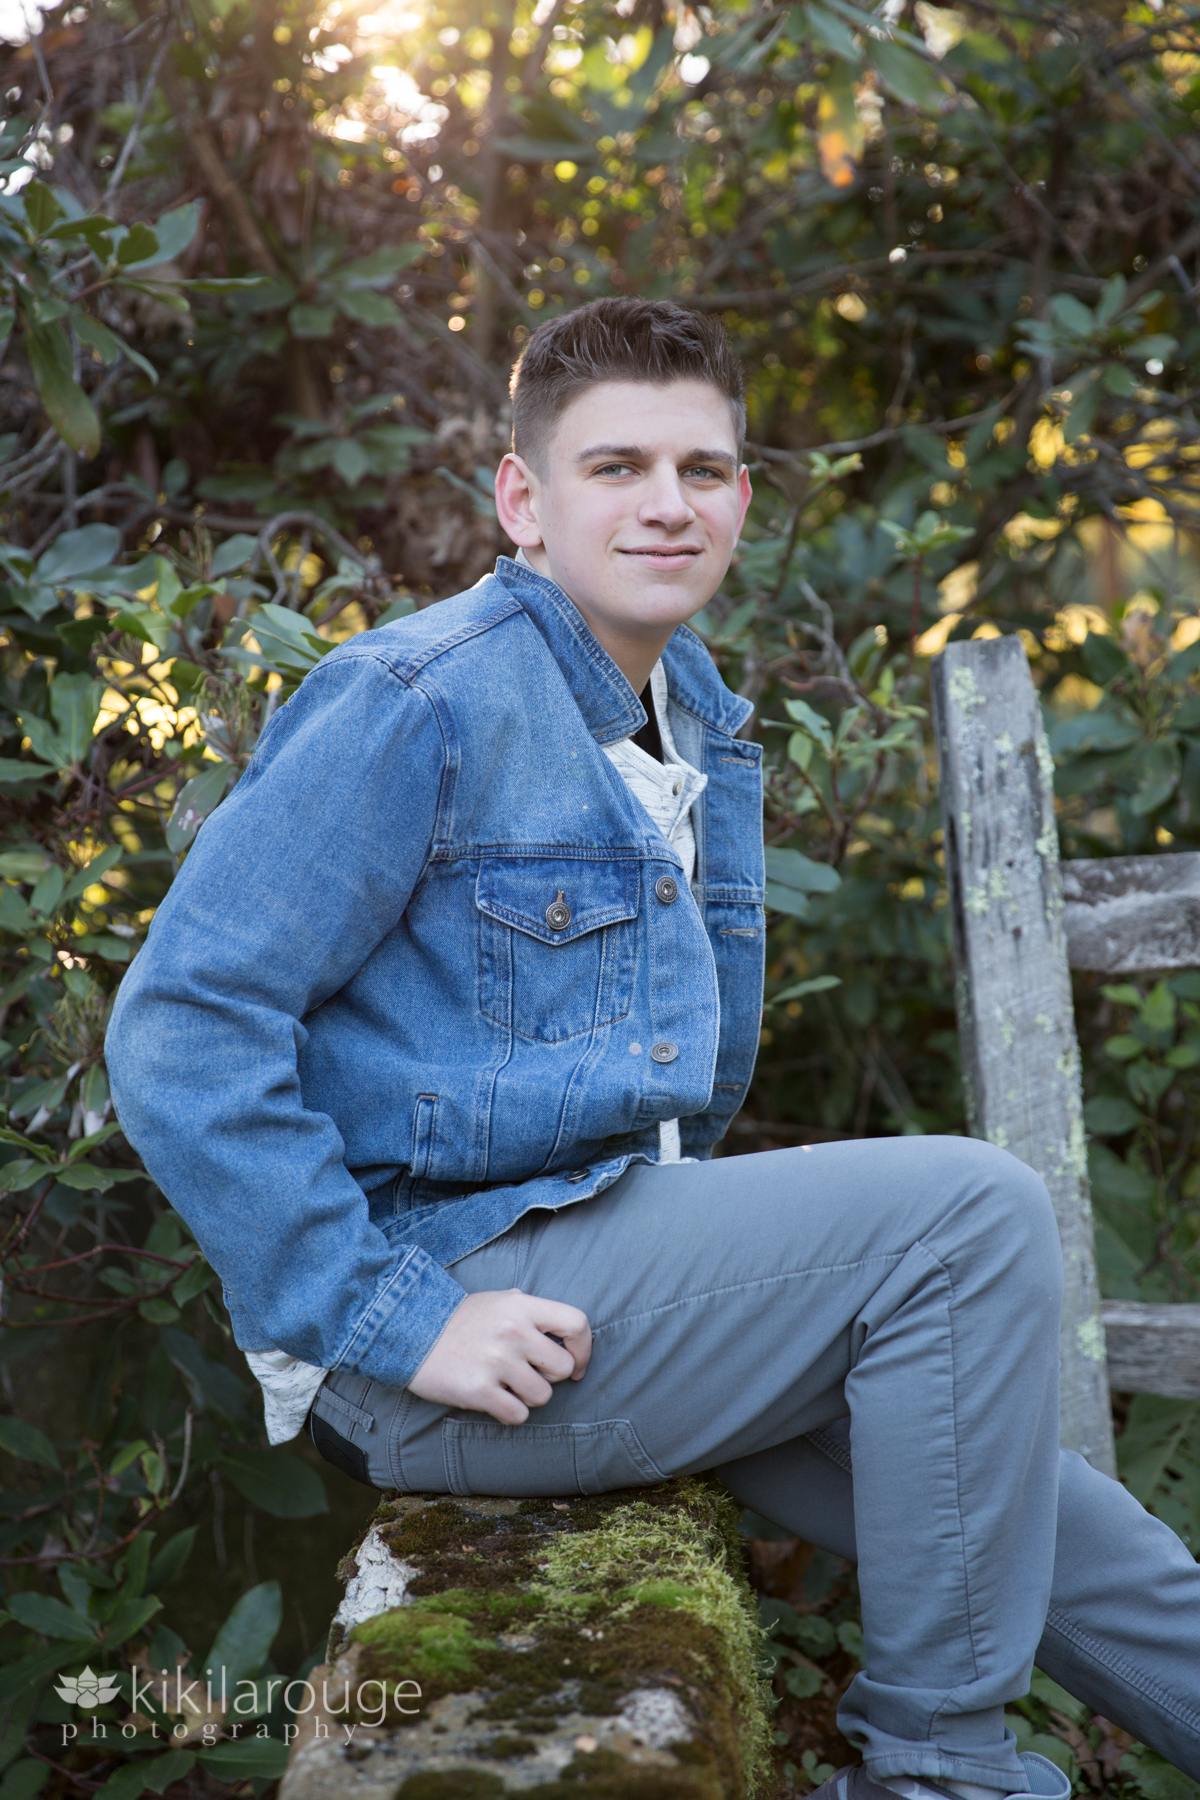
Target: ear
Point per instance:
(516, 501)
(744, 493)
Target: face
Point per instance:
(634, 508)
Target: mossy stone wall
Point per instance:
(605, 1647)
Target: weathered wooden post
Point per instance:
(1012, 984)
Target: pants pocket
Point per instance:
(483, 1457)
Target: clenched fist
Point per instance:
(500, 1353)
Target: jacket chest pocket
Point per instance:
(556, 944)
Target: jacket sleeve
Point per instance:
(288, 888)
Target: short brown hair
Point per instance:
(617, 339)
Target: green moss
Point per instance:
(451, 1784)
(601, 1776)
(432, 1647)
(502, 1748)
(545, 1608)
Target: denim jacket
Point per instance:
(422, 972)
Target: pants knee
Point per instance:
(1014, 1205)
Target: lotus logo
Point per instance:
(88, 1689)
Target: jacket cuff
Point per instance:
(405, 1320)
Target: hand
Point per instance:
(495, 1356)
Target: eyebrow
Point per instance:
(639, 453)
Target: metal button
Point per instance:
(577, 1175)
(667, 889)
(677, 787)
(664, 1053)
(558, 914)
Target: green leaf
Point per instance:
(194, 1282)
(172, 1558)
(234, 553)
(110, 346)
(42, 210)
(1123, 1047)
(164, 1771)
(381, 266)
(311, 321)
(811, 722)
(197, 799)
(175, 230)
(1122, 993)
(210, 1383)
(350, 460)
(127, 1455)
(278, 1483)
(803, 1680)
(243, 1643)
(832, 34)
(1158, 1008)
(287, 641)
(126, 1782)
(1111, 1116)
(129, 1617)
(112, 949)
(816, 984)
(1156, 1778)
(786, 900)
(67, 406)
(86, 878)
(906, 76)
(257, 1759)
(96, 336)
(139, 245)
(158, 1311)
(791, 868)
(1073, 315)
(25, 1441)
(85, 1176)
(23, 865)
(84, 552)
(42, 1612)
(20, 1174)
(15, 1677)
(22, 1780)
(368, 308)
(154, 1470)
(1121, 1183)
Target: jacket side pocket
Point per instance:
(424, 1125)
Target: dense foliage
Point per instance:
(265, 268)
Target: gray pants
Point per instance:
(861, 1339)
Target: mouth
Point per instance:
(665, 556)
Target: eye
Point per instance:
(703, 471)
(613, 468)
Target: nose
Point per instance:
(664, 501)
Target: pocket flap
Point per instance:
(522, 891)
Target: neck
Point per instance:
(634, 654)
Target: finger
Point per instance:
(503, 1406)
(569, 1324)
(527, 1384)
(550, 1358)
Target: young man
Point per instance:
(433, 1037)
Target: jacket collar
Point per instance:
(608, 703)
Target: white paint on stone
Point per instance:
(379, 1583)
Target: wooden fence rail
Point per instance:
(1019, 922)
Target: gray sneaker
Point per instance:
(1046, 1782)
